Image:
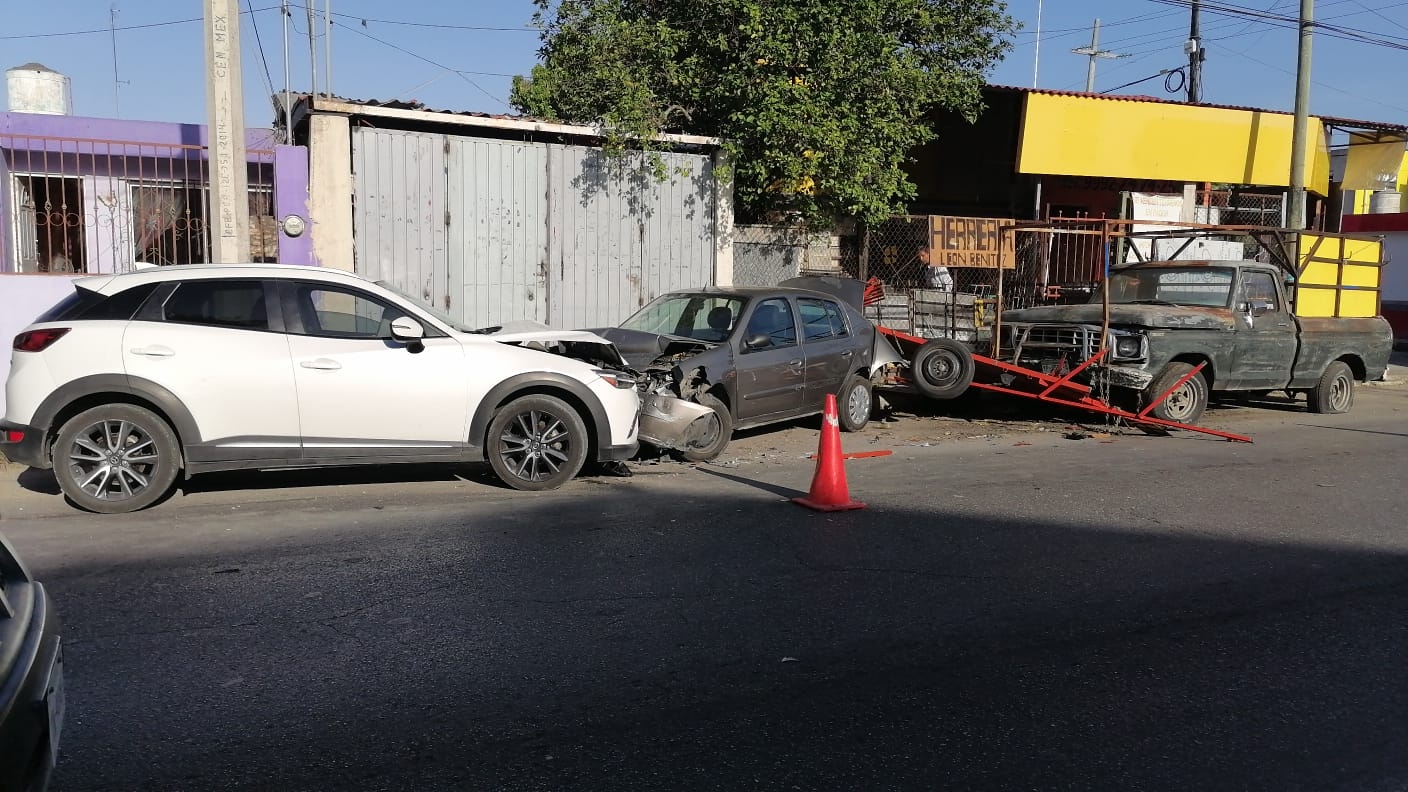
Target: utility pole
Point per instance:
(327, 45)
(227, 226)
(1036, 45)
(312, 49)
(1094, 53)
(116, 83)
(1196, 54)
(1296, 211)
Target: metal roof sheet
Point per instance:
(1335, 121)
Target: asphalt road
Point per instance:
(1020, 611)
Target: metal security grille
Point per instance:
(84, 205)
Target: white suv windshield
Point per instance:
(424, 306)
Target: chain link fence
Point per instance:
(931, 276)
(1240, 208)
(765, 255)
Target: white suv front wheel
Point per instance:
(116, 458)
(537, 442)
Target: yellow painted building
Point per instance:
(1085, 135)
(1038, 153)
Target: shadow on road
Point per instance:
(1353, 429)
(689, 641)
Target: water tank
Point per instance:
(1385, 202)
(36, 88)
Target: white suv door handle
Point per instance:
(155, 350)
(321, 364)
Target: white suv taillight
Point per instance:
(38, 340)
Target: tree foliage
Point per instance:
(819, 102)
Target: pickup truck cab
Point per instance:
(1236, 318)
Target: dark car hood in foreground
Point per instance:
(640, 348)
(1160, 316)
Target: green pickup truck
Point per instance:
(1236, 318)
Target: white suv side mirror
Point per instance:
(406, 329)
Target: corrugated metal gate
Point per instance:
(492, 230)
(498, 231)
(400, 205)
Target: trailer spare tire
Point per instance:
(942, 368)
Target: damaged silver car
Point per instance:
(715, 360)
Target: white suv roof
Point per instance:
(109, 284)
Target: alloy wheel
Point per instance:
(858, 405)
(113, 459)
(535, 445)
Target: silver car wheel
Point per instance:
(858, 405)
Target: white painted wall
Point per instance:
(1395, 277)
(25, 297)
(330, 190)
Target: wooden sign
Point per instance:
(971, 242)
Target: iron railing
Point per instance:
(88, 205)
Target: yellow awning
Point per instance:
(1079, 135)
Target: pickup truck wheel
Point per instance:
(716, 433)
(942, 368)
(1334, 393)
(855, 404)
(1187, 402)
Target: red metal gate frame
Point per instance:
(1064, 391)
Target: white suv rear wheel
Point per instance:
(116, 458)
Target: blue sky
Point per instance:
(459, 54)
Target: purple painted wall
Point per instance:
(7, 242)
(151, 132)
(291, 199)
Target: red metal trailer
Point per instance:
(956, 369)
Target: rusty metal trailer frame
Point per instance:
(1064, 390)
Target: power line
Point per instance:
(435, 25)
(1167, 74)
(1378, 13)
(268, 78)
(110, 29)
(1329, 86)
(1279, 20)
(1138, 55)
(462, 74)
(1064, 32)
(169, 23)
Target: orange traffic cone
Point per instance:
(829, 492)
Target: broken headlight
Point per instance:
(617, 379)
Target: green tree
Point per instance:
(819, 102)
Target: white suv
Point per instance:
(135, 378)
